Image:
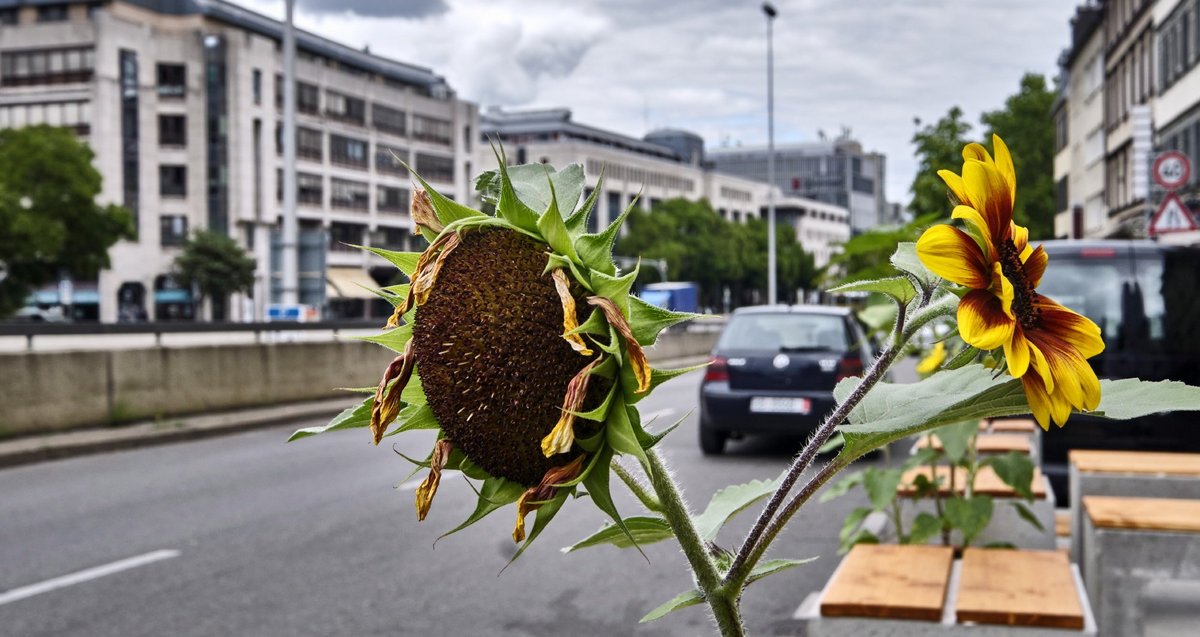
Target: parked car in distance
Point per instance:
(774, 368)
(1146, 299)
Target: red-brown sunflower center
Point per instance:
(1024, 304)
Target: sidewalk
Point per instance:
(30, 449)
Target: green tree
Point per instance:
(216, 266)
(939, 146)
(50, 223)
(866, 255)
(1026, 127)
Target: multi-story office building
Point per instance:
(181, 101)
(665, 164)
(1079, 130)
(837, 172)
(1129, 88)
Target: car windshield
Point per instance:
(1091, 287)
(776, 332)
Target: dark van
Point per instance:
(1145, 297)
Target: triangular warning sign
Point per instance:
(1172, 216)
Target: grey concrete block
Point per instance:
(1085, 483)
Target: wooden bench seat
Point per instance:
(890, 581)
(1147, 514)
(1018, 588)
(986, 482)
(1009, 425)
(987, 443)
(1136, 462)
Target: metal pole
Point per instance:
(289, 257)
(769, 10)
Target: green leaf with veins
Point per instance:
(771, 567)
(956, 439)
(1027, 515)
(1015, 470)
(730, 501)
(648, 321)
(682, 600)
(969, 515)
(899, 288)
(905, 259)
(881, 486)
(643, 530)
(924, 528)
(351, 417)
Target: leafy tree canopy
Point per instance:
(938, 146)
(50, 223)
(215, 265)
(1025, 125)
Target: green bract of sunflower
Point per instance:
(520, 342)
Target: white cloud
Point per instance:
(632, 66)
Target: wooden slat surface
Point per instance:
(987, 443)
(890, 581)
(1018, 588)
(1009, 425)
(986, 482)
(1062, 523)
(1147, 514)
(1137, 462)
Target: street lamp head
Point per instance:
(769, 9)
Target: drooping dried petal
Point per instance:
(422, 211)
(427, 271)
(386, 405)
(637, 357)
(535, 497)
(562, 436)
(569, 321)
(428, 487)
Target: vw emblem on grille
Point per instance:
(828, 364)
(781, 361)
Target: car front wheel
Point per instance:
(712, 442)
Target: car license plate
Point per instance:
(768, 405)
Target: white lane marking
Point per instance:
(658, 413)
(85, 575)
(412, 485)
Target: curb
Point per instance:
(68, 444)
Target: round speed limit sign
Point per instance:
(1172, 170)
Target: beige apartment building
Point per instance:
(181, 101)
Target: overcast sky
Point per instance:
(632, 66)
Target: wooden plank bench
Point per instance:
(1009, 425)
(987, 443)
(911, 591)
(1007, 524)
(1142, 474)
(1130, 545)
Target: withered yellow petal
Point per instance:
(570, 323)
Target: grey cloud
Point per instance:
(379, 8)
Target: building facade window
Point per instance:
(348, 151)
(394, 238)
(435, 167)
(8, 17)
(388, 119)
(309, 143)
(130, 160)
(52, 13)
(308, 98)
(344, 236)
(389, 199)
(256, 86)
(345, 108)
(350, 195)
(310, 188)
(432, 129)
(172, 181)
(388, 158)
(1060, 129)
(172, 80)
(75, 115)
(173, 230)
(172, 130)
(47, 66)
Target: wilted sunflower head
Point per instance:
(519, 341)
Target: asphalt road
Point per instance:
(246, 535)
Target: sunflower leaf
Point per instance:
(413, 393)
(969, 515)
(600, 413)
(682, 600)
(657, 377)
(621, 436)
(414, 417)
(595, 324)
(648, 439)
(448, 210)
(537, 184)
(771, 567)
(406, 262)
(730, 501)
(349, 418)
(578, 220)
(646, 530)
(495, 493)
(394, 339)
(963, 357)
(597, 485)
(595, 250)
(556, 261)
(554, 229)
(1015, 470)
(615, 288)
(510, 206)
(648, 321)
(1027, 515)
(542, 517)
(905, 259)
(900, 288)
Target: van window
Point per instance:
(1164, 314)
(1092, 287)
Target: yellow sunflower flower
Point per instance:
(1002, 308)
(933, 360)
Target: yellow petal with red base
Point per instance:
(1004, 164)
(951, 254)
(955, 183)
(982, 321)
(990, 196)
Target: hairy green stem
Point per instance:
(722, 601)
(637, 488)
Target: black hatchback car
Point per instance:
(1145, 297)
(774, 368)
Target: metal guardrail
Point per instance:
(157, 329)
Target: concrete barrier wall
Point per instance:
(51, 391)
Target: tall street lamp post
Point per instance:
(770, 12)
